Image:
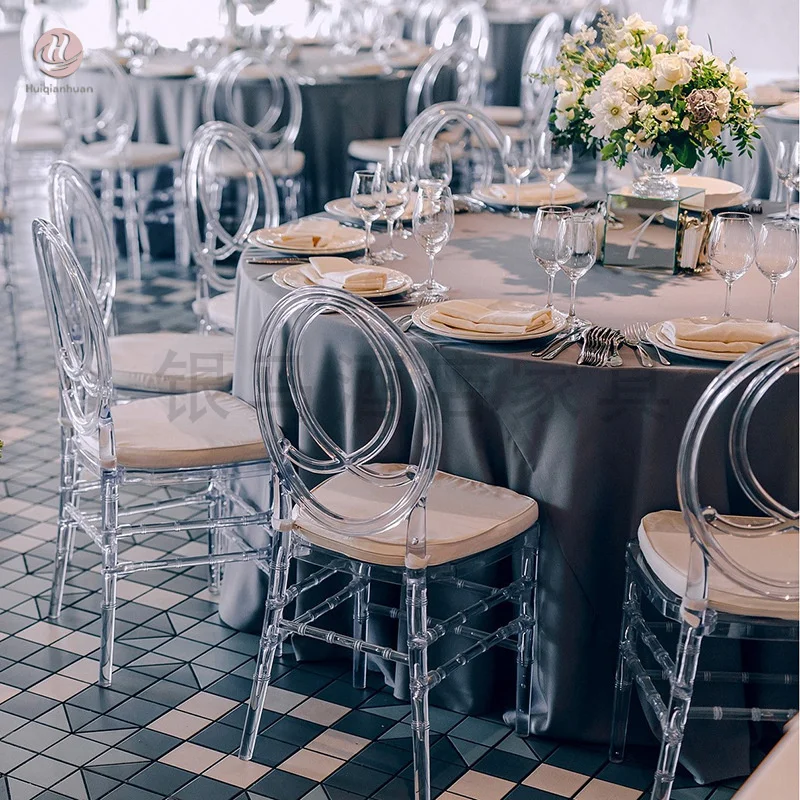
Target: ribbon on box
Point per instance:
(693, 233)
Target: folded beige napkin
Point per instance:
(532, 194)
(310, 233)
(492, 316)
(724, 336)
(789, 110)
(339, 273)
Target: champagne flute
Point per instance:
(776, 255)
(434, 165)
(787, 166)
(547, 245)
(398, 192)
(368, 195)
(432, 224)
(554, 161)
(518, 163)
(576, 254)
(731, 249)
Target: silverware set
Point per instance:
(600, 347)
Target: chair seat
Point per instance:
(39, 136)
(135, 155)
(201, 429)
(464, 517)
(281, 163)
(776, 777)
(371, 150)
(665, 543)
(172, 362)
(504, 115)
(222, 311)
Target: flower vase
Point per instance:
(653, 180)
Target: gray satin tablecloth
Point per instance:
(596, 447)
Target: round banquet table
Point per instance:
(596, 447)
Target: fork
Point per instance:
(632, 340)
(591, 347)
(640, 331)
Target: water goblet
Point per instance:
(518, 163)
(787, 167)
(731, 249)
(398, 192)
(432, 225)
(546, 243)
(554, 161)
(776, 255)
(368, 195)
(576, 254)
(434, 165)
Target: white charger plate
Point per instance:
(421, 318)
(265, 238)
(343, 208)
(397, 282)
(485, 195)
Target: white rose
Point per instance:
(644, 112)
(659, 38)
(565, 100)
(561, 85)
(682, 32)
(738, 78)
(562, 123)
(669, 71)
(635, 24)
(723, 102)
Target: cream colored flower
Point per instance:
(642, 140)
(664, 112)
(723, 102)
(636, 25)
(611, 113)
(644, 111)
(669, 71)
(686, 123)
(562, 123)
(738, 78)
(713, 129)
(682, 32)
(660, 39)
(566, 100)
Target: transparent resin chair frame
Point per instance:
(470, 16)
(291, 496)
(86, 413)
(754, 374)
(587, 15)
(540, 52)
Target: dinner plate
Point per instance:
(566, 195)
(343, 208)
(656, 337)
(396, 281)
(421, 318)
(349, 244)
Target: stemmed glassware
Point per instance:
(398, 192)
(368, 194)
(554, 161)
(776, 255)
(432, 224)
(787, 166)
(518, 163)
(731, 249)
(548, 243)
(434, 165)
(576, 255)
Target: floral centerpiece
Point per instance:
(633, 91)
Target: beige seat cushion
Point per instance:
(281, 163)
(172, 362)
(371, 150)
(464, 517)
(504, 115)
(187, 430)
(39, 137)
(777, 775)
(665, 543)
(135, 155)
(222, 310)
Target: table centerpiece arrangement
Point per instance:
(627, 91)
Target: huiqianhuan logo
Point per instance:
(58, 53)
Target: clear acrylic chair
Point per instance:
(98, 137)
(425, 21)
(712, 574)
(214, 237)
(275, 132)
(591, 9)
(676, 13)
(457, 64)
(405, 524)
(204, 438)
(163, 361)
(467, 25)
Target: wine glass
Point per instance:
(554, 161)
(787, 166)
(518, 163)
(368, 194)
(398, 191)
(432, 224)
(776, 255)
(731, 249)
(547, 245)
(576, 254)
(434, 165)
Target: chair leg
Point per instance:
(682, 686)
(66, 529)
(417, 621)
(11, 288)
(216, 501)
(360, 622)
(109, 498)
(131, 216)
(525, 641)
(280, 559)
(623, 682)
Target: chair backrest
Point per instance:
(10, 133)
(210, 240)
(587, 16)
(745, 383)
(75, 211)
(466, 24)
(37, 20)
(427, 16)
(223, 100)
(541, 52)
(475, 128)
(79, 339)
(461, 65)
(282, 334)
(675, 13)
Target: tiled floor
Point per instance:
(171, 723)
